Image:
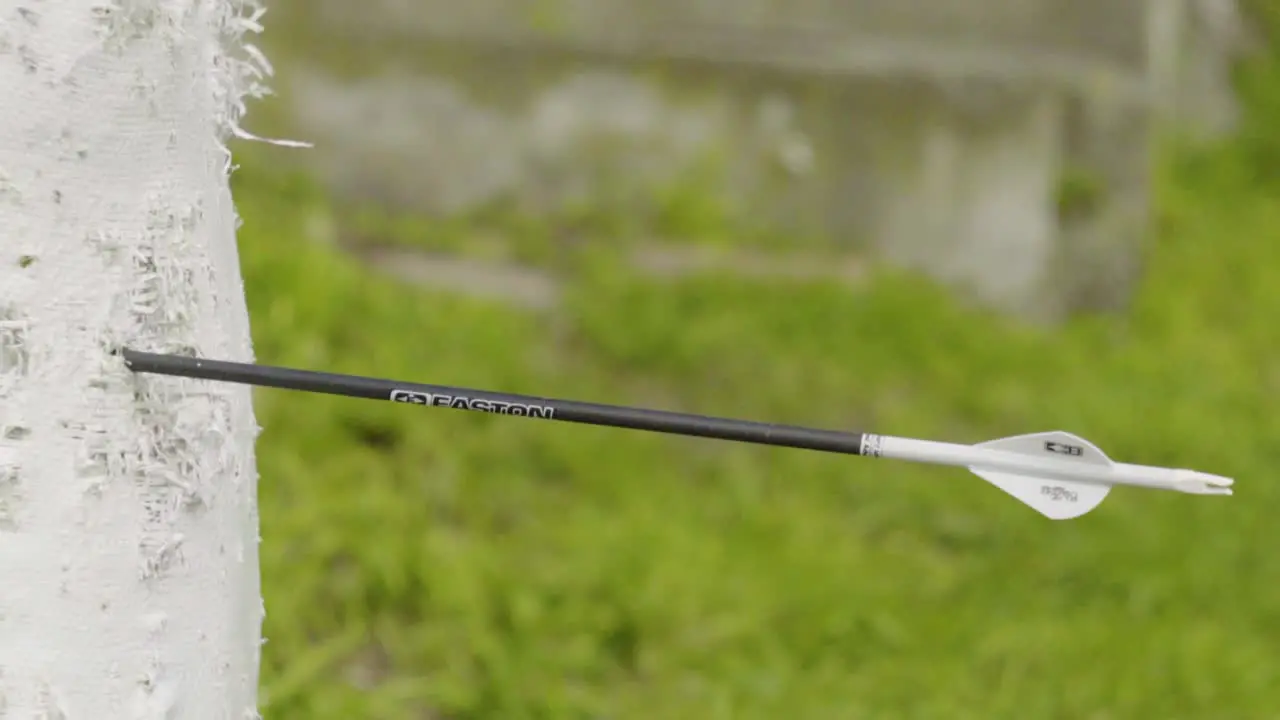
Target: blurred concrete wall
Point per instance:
(1000, 145)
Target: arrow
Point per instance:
(1056, 473)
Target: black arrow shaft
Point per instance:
(496, 402)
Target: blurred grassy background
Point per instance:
(457, 567)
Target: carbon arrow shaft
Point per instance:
(1056, 473)
(460, 398)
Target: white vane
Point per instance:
(1058, 474)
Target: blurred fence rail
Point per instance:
(1000, 145)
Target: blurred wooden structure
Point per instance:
(999, 145)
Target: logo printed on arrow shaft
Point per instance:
(462, 402)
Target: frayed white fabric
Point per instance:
(129, 583)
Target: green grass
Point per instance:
(687, 212)
(455, 566)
